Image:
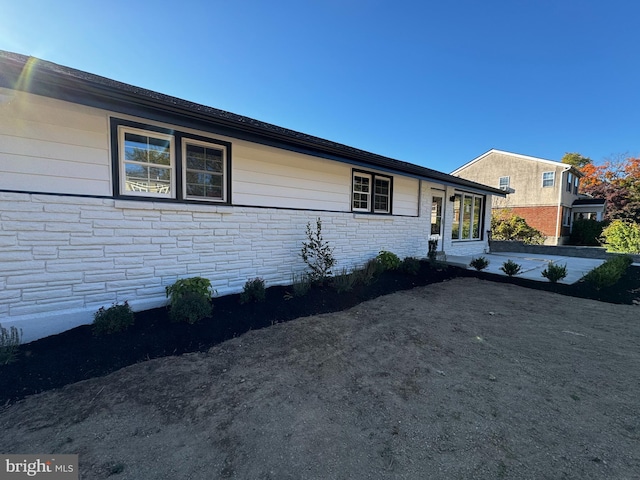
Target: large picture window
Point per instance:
(371, 192)
(158, 163)
(468, 215)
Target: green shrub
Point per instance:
(410, 266)
(479, 263)
(586, 232)
(511, 268)
(300, 284)
(317, 254)
(190, 307)
(253, 291)
(10, 340)
(370, 272)
(554, 272)
(505, 225)
(345, 281)
(622, 237)
(609, 273)
(388, 260)
(116, 318)
(196, 285)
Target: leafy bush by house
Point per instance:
(622, 237)
(253, 291)
(609, 273)
(196, 285)
(511, 268)
(410, 266)
(479, 263)
(388, 260)
(116, 318)
(190, 307)
(586, 232)
(317, 254)
(506, 225)
(190, 299)
(10, 340)
(554, 272)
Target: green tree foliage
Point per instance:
(575, 159)
(622, 237)
(317, 254)
(506, 225)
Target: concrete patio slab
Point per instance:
(532, 264)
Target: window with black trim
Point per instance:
(158, 163)
(371, 192)
(468, 217)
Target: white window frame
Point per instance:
(373, 205)
(553, 179)
(504, 183)
(188, 141)
(122, 131)
(576, 183)
(569, 182)
(369, 177)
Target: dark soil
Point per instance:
(77, 354)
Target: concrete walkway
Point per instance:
(532, 264)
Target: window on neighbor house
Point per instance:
(371, 193)
(548, 179)
(576, 183)
(468, 213)
(566, 217)
(569, 181)
(159, 163)
(504, 183)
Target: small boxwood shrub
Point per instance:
(554, 272)
(191, 308)
(410, 266)
(10, 340)
(388, 260)
(479, 263)
(609, 273)
(253, 291)
(511, 268)
(116, 318)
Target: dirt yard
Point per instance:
(458, 380)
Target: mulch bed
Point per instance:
(77, 354)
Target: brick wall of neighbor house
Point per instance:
(544, 218)
(63, 257)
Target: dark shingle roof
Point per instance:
(50, 79)
(589, 201)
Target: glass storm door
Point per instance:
(436, 216)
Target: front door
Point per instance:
(437, 201)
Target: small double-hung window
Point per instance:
(371, 193)
(548, 179)
(147, 165)
(504, 183)
(204, 171)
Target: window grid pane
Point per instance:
(361, 191)
(147, 164)
(204, 172)
(381, 197)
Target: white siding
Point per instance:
(52, 146)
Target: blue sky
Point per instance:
(431, 83)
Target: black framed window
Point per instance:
(160, 163)
(371, 192)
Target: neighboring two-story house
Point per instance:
(544, 192)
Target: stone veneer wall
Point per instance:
(62, 257)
